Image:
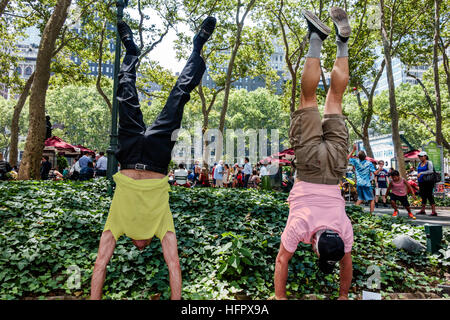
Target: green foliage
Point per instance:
(228, 240)
(83, 113)
(62, 163)
(6, 110)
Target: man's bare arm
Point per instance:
(346, 274)
(352, 152)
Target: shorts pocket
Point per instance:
(294, 130)
(338, 161)
(307, 158)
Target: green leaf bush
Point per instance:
(228, 240)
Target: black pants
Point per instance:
(246, 178)
(426, 192)
(152, 146)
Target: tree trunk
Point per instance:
(3, 4)
(14, 149)
(99, 75)
(30, 164)
(438, 116)
(392, 101)
(228, 80)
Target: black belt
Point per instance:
(146, 167)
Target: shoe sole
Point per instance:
(340, 19)
(311, 17)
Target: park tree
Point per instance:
(420, 51)
(80, 114)
(30, 164)
(364, 72)
(235, 51)
(398, 20)
(285, 21)
(64, 70)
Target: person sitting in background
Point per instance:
(5, 168)
(204, 179)
(65, 173)
(74, 172)
(171, 177)
(254, 179)
(413, 183)
(400, 189)
(55, 175)
(87, 172)
(190, 176)
(181, 176)
(412, 173)
(238, 182)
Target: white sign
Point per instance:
(382, 148)
(367, 295)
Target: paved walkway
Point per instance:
(443, 217)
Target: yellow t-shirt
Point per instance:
(140, 208)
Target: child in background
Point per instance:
(400, 189)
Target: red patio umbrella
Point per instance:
(413, 154)
(85, 149)
(59, 143)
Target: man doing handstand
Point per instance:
(317, 210)
(140, 206)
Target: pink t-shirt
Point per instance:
(399, 188)
(314, 207)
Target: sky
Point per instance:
(163, 52)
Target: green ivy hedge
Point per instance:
(227, 238)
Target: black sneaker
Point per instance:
(315, 25)
(126, 35)
(341, 23)
(385, 205)
(207, 28)
(376, 205)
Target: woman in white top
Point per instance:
(226, 175)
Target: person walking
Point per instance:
(140, 205)
(398, 191)
(316, 208)
(425, 187)
(364, 169)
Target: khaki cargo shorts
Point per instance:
(321, 146)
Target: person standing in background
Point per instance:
(425, 187)
(364, 169)
(45, 168)
(102, 165)
(381, 183)
(218, 174)
(247, 172)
